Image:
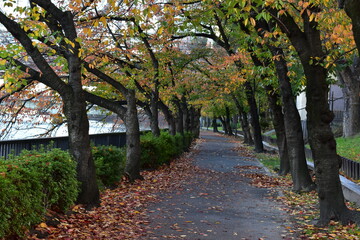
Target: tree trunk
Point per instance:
(179, 118)
(79, 146)
(352, 9)
(307, 42)
(79, 140)
(244, 121)
(196, 122)
(154, 120)
(246, 127)
(278, 121)
(255, 122)
(191, 118)
(133, 151)
(214, 123)
(130, 118)
(186, 115)
(323, 146)
(169, 117)
(223, 123)
(293, 130)
(235, 120)
(350, 80)
(227, 122)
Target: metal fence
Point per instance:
(349, 167)
(16, 146)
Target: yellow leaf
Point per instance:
(160, 30)
(103, 20)
(312, 16)
(253, 22)
(87, 31)
(43, 225)
(246, 22)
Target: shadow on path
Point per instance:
(219, 203)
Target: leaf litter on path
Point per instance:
(122, 212)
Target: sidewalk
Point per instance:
(219, 203)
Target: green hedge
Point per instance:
(156, 151)
(31, 183)
(46, 178)
(109, 163)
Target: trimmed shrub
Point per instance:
(156, 151)
(32, 182)
(149, 151)
(109, 163)
(57, 174)
(21, 197)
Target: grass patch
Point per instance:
(271, 161)
(349, 147)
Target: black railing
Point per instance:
(350, 168)
(16, 146)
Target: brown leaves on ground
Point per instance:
(303, 208)
(121, 214)
(244, 151)
(266, 181)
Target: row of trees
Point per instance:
(103, 53)
(125, 54)
(282, 46)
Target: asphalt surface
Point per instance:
(221, 204)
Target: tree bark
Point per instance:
(195, 124)
(227, 121)
(350, 80)
(154, 119)
(255, 122)
(133, 151)
(169, 117)
(293, 130)
(179, 118)
(214, 124)
(186, 115)
(243, 120)
(246, 128)
(352, 9)
(79, 146)
(279, 126)
(223, 123)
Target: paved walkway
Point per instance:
(219, 203)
